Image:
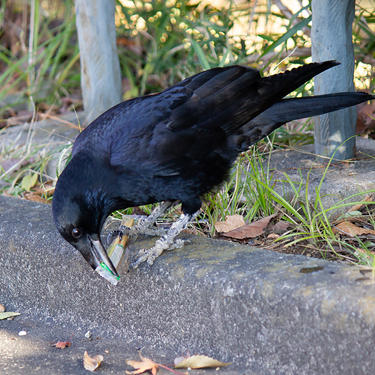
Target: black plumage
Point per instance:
(176, 145)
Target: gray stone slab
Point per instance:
(244, 305)
(55, 130)
(42, 137)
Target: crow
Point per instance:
(175, 146)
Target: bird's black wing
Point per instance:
(189, 120)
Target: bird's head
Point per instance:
(79, 211)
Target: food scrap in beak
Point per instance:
(107, 267)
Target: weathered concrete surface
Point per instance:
(45, 136)
(252, 307)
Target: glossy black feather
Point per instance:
(179, 144)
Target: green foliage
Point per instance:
(46, 66)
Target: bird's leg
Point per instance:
(167, 242)
(144, 226)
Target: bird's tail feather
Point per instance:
(272, 89)
(293, 109)
(297, 108)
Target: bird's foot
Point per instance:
(152, 253)
(167, 242)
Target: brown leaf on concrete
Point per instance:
(62, 344)
(7, 315)
(200, 361)
(92, 363)
(349, 229)
(231, 222)
(146, 364)
(251, 230)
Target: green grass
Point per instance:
(312, 222)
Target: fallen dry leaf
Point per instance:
(356, 207)
(280, 226)
(177, 360)
(92, 363)
(34, 198)
(273, 236)
(145, 365)
(351, 230)
(368, 253)
(10, 314)
(231, 222)
(200, 361)
(251, 230)
(45, 188)
(62, 344)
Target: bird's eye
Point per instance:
(76, 233)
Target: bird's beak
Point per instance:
(99, 256)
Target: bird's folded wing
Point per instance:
(186, 122)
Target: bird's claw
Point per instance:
(152, 253)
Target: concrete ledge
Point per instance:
(248, 306)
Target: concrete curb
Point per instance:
(248, 306)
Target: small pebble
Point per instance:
(22, 333)
(2, 308)
(88, 334)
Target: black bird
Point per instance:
(175, 146)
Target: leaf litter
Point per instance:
(231, 222)
(7, 315)
(92, 363)
(200, 361)
(251, 230)
(182, 362)
(146, 364)
(63, 344)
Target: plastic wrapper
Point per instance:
(115, 251)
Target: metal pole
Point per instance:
(331, 37)
(100, 67)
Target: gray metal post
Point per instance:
(100, 67)
(331, 38)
